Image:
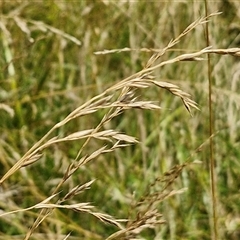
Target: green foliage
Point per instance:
(53, 61)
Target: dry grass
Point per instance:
(95, 141)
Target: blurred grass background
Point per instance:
(48, 68)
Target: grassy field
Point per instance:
(119, 120)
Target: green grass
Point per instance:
(53, 62)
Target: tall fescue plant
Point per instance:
(55, 188)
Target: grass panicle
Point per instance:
(103, 156)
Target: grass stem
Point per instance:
(211, 130)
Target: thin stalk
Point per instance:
(211, 130)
